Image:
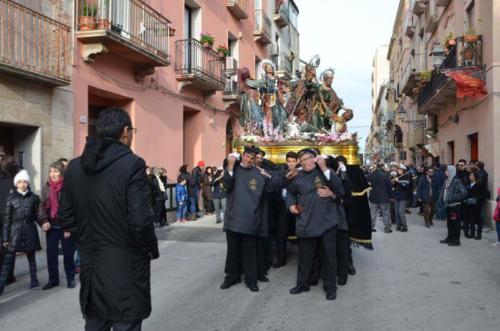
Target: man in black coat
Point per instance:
(380, 196)
(106, 207)
(312, 196)
(245, 219)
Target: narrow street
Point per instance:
(409, 282)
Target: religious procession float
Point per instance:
(280, 115)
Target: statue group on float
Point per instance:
(278, 109)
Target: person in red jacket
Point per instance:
(496, 218)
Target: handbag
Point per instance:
(471, 201)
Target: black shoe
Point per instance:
(374, 230)
(253, 288)
(48, 286)
(404, 229)
(445, 241)
(478, 236)
(399, 228)
(331, 295)
(388, 230)
(299, 289)
(454, 243)
(227, 284)
(427, 225)
(71, 284)
(278, 265)
(263, 279)
(351, 270)
(342, 281)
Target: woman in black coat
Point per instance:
(473, 223)
(8, 169)
(19, 232)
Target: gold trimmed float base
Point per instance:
(277, 154)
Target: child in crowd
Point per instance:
(19, 232)
(496, 218)
(181, 197)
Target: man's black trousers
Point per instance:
(241, 257)
(328, 257)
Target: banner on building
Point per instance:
(469, 82)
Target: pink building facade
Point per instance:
(435, 124)
(148, 61)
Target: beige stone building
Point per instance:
(432, 40)
(36, 99)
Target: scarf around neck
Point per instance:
(53, 199)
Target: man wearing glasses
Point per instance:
(106, 207)
(311, 196)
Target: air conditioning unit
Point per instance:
(231, 63)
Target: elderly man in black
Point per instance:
(311, 196)
(244, 220)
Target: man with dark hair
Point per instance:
(106, 207)
(462, 173)
(311, 196)
(197, 175)
(64, 161)
(245, 218)
(380, 196)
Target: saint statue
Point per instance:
(327, 102)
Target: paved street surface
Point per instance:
(409, 282)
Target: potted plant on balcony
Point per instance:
(103, 22)
(449, 42)
(425, 76)
(222, 51)
(471, 36)
(207, 40)
(86, 20)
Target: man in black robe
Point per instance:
(244, 220)
(284, 219)
(311, 196)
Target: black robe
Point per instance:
(317, 215)
(358, 208)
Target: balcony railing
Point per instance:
(409, 24)
(438, 79)
(411, 74)
(231, 89)
(137, 31)
(262, 30)
(466, 54)
(283, 65)
(239, 8)
(419, 7)
(432, 20)
(198, 66)
(281, 14)
(33, 45)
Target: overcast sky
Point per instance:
(346, 33)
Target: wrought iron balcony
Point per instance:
(443, 3)
(409, 25)
(281, 15)
(283, 65)
(262, 30)
(432, 21)
(411, 74)
(33, 45)
(440, 88)
(129, 29)
(419, 7)
(198, 67)
(232, 89)
(239, 8)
